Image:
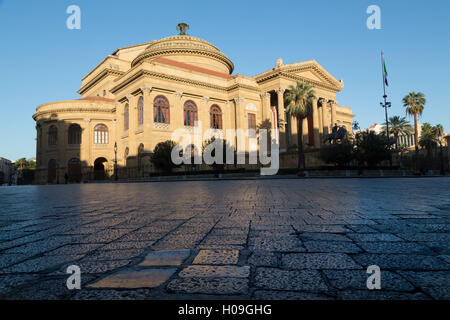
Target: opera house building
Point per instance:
(138, 95)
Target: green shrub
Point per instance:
(339, 154)
(161, 156)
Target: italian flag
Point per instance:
(385, 73)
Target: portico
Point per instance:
(326, 112)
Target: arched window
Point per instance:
(161, 110)
(52, 136)
(216, 117)
(126, 117)
(190, 113)
(74, 134)
(141, 111)
(101, 135)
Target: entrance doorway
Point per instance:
(51, 171)
(74, 170)
(99, 169)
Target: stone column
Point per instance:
(239, 115)
(132, 121)
(148, 118)
(305, 132)
(177, 117)
(316, 124)
(281, 118)
(265, 106)
(333, 113)
(323, 104)
(87, 140)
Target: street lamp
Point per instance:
(441, 152)
(387, 105)
(115, 162)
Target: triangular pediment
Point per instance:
(310, 71)
(313, 71)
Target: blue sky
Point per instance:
(42, 61)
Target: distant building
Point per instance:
(406, 140)
(6, 170)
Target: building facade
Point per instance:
(406, 140)
(6, 171)
(137, 96)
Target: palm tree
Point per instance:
(21, 163)
(298, 101)
(414, 103)
(397, 126)
(429, 137)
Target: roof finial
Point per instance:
(182, 27)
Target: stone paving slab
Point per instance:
(212, 257)
(276, 279)
(338, 261)
(165, 258)
(215, 272)
(216, 286)
(260, 239)
(147, 278)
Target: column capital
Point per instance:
(315, 99)
(117, 104)
(178, 94)
(239, 100)
(280, 90)
(323, 101)
(205, 99)
(87, 121)
(265, 95)
(146, 90)
(228, 103)
(129, 97)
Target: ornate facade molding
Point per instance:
(280, 90)
(205, 99)
(98, 78)
(146, 90)
(178, 94)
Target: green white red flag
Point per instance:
(385, 73)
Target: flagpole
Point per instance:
(386, 104)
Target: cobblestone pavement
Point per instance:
(257, 239)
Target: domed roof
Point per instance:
(187, 49)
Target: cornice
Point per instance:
(99, 77)
(73, 110)
(218, 56)
(191, 82)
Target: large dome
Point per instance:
(187, 49)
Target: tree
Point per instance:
(415, 104)
(21, 164)
(162, 156)
(337, 153)
(398, 125)
(298, 101)
(226, 148)
(429, 137)
(373, 148)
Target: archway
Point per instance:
(99, 169)
(74, 170)
(51, 171)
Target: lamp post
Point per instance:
(387, 105)
(441, 153)
(115, 162)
